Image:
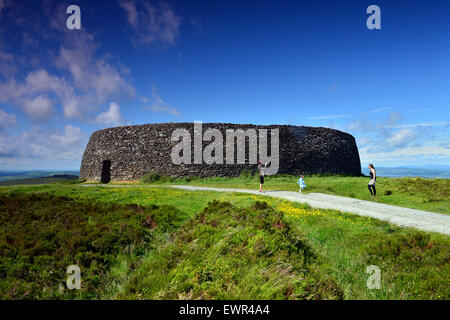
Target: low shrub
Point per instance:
(227, 252)
(150, 177)
(409, 259)
(191, 178)
(42, 234)
(76, 181)
(247, 173)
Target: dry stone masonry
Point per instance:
(128, 153)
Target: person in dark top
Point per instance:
(373, 179)
(261, 167)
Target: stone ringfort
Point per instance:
(130, 152)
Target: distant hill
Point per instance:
(40, 180)
(432, 166)
(431, 171)
(19, 175)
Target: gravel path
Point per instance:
(423, 220)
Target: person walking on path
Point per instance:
(261, 167)
(301, 183)
(373, 179)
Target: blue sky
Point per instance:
(309, 63)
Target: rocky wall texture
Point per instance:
(128, 153)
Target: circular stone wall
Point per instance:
(128, 153)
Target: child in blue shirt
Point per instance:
(301, 183)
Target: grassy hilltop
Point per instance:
(149, 242)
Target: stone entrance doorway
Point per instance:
(106, 171)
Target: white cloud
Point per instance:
(7, 120)
(6, 56)
(380, 110)
(2, 5)
(91, 74)
(333, 87)
(157, 104)
(161, 108)
(95, 79)
(365, 123)
(363, 141)
(76, 81)
(387, 142)
(88, 83)
(331, 116)
(152, 23)
(7, 67)
(416, 125)
(38, 108)
(41, 81)
(383, 126)
(430, 153)
(38, 144)
(132, 15)
(112, 116)
(401, 138)
(72, 136)
(11, 90)
(32, 94)
(72, 105)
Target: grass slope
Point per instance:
(413, 264)
(416, 193)
(232, 253)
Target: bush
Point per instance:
(76, 181)
(42, 234)
(192, 178)
(150, 177)
(413, 257)
(247, 173)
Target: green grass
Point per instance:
(42, 234)
(414, 265)
(416, 193)
(227, 252)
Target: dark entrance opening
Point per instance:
(106, 172)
